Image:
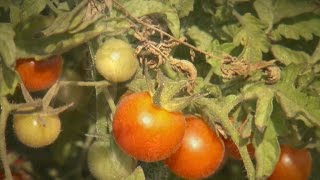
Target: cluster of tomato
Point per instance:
(142, 130)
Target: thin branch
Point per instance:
(85, 83)
(165, 33)
(6, 108)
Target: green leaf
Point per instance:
(27, 9)
(316, 54)
(184, 7)
(28, 45)
(264, 9)
(8, 81)
(205, 41)
(288, 56)
(140, 8)
(202, 39)
(7, 45)
(267, 151)
(66, 20)
(264, 105)
(252, 37)
(272, 11)
(136, 175)
(295, 104)
(305, 29)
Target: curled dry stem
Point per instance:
(162, 33)
(233, 67)
(185, 67)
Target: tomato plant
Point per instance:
(37, 129)
(257, 59)
(145, 131)
(233, 151)
(107, 161)
(115, 60)
(71, 94)
(39, 75)
(201, 152)
(293, 164)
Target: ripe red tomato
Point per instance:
(145, 131)
(201, 152)
(36, 129)
(15, 176)
(39, 75)
(233, 151)
(293, 164)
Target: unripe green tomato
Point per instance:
(115, 60)
(36, 129)
(107, 162)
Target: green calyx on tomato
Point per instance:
(36, 129)
(115, 60)
(145, 131)
(107, 161)
(39, 75)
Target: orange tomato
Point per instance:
(233, 151)
(39, 75)
(293, 164)
(201, 152)
(145, 131)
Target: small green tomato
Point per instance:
(36, 129)
(115, 60)
(107, 161)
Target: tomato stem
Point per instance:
(215, 110)
(6, 108)
(86, 83)
(109, 100)
(209, 75)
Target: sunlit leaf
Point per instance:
(155, 7)
(184, 7)
(267, 151)
(272, 11)
(252, 37)
(305, 29)
(295, 104)
(136, 175)
(288, 56)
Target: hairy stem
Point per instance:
(86, 83)
(6, 108)
(110, 100)
(209, 75)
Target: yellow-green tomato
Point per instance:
(107, 161)
(36, 129)
(115, 60)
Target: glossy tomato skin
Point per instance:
(39, 75)
(144, 131)
(293, 164)
(201, 153)
(36, 129)
(233, 151)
